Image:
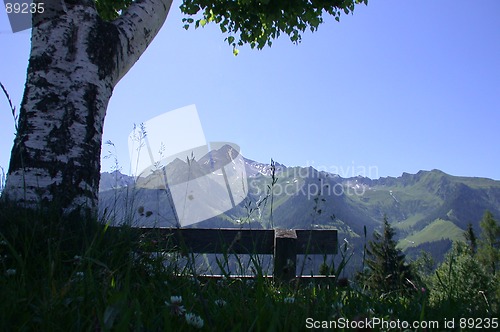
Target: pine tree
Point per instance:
(387, 271)
(489, 244)
(471, 239)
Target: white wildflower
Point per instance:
(337, 305)
(194, 320)
(176, 299)
(250, 283)
(222, 281)
(220, 303)
(10, 272)
(175, 305)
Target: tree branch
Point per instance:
(138, 26)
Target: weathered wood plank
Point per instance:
(257, 241)
(210, 241)
(324, 241)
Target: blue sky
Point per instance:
(398, 86)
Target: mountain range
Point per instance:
(428, 210)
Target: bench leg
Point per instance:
(285, 255)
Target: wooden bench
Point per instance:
(285, 245)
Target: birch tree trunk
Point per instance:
(75, 62)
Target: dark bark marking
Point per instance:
(42, 82)
(69, 188)
(71, 3)
(90, 97)
(70, 42)
(18, 150)
(59, 139)
(52, 11)
(91, 155)
(47, 101)
(16, 160)
(102, 47)
(41, 62)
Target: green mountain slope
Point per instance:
(438, 230)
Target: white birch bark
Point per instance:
(75, 62)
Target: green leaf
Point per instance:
(109, 315)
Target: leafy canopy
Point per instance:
(253, 22)
(461, 284)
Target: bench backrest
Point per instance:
(285, 245)
(242, 241)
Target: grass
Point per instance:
(435, 231)
(58, 275)
(407, 224)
